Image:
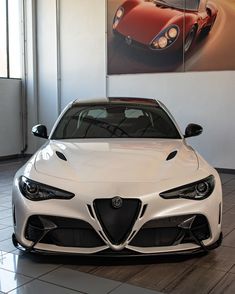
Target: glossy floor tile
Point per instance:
(125, 288)
(25, 273)
(226, 285)
(159, 276)
(6, 233)
(7, 245)
(10, 280)
(80, 281)
(196, 280)
(40, 287)
(26, 265)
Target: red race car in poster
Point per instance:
(164, 24)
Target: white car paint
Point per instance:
(126, 167)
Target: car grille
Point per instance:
(68, 232)
(117, 223)
(134, 43)
(165, 232)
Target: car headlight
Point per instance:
(36, 191)
(172, 33)
(165, 38)
(195, 191)
(118, 16)
(162, 42)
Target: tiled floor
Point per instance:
(20, 273)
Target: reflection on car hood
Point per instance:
(116, 160)
(145, 21)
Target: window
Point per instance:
(115, 121)
(10, 38)
(133, 113)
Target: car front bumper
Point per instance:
(74, 227)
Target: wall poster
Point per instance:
(150, 36)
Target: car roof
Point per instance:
(113, 100)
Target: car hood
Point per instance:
(116, 160)
(145, 21)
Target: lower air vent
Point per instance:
(166, 232)
(68, 232)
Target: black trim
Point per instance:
(172, 155)
(225, 170)
(143, 210)
(118, 254)
(61, 155)
(117, 223)
(220, 212)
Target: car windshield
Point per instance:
(179, 4)
(115, 121)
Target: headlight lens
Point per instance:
(162, 42)
(36, 191)
(195, 191)
(172, 33)
(118, 16)
(165, 38)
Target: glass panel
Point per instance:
(148, 122)
(15, 49)
(3, 50)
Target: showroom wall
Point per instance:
(10, 117)
(66, 57)
(71, 63)
(206, 98)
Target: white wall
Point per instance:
(83, 49)
(206, 97)
(10, 121)
(47, 62)
(66, 57)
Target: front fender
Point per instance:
(213, 8)
(129, 5)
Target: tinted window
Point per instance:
(179, 4)
(115, 121)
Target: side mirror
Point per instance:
(40, 131)
(193, 130)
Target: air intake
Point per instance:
(171, 155)
(61, 155)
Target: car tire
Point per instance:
(190, 39)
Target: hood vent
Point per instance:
(171, 155)
(61, 155)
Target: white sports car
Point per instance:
(116, 176)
